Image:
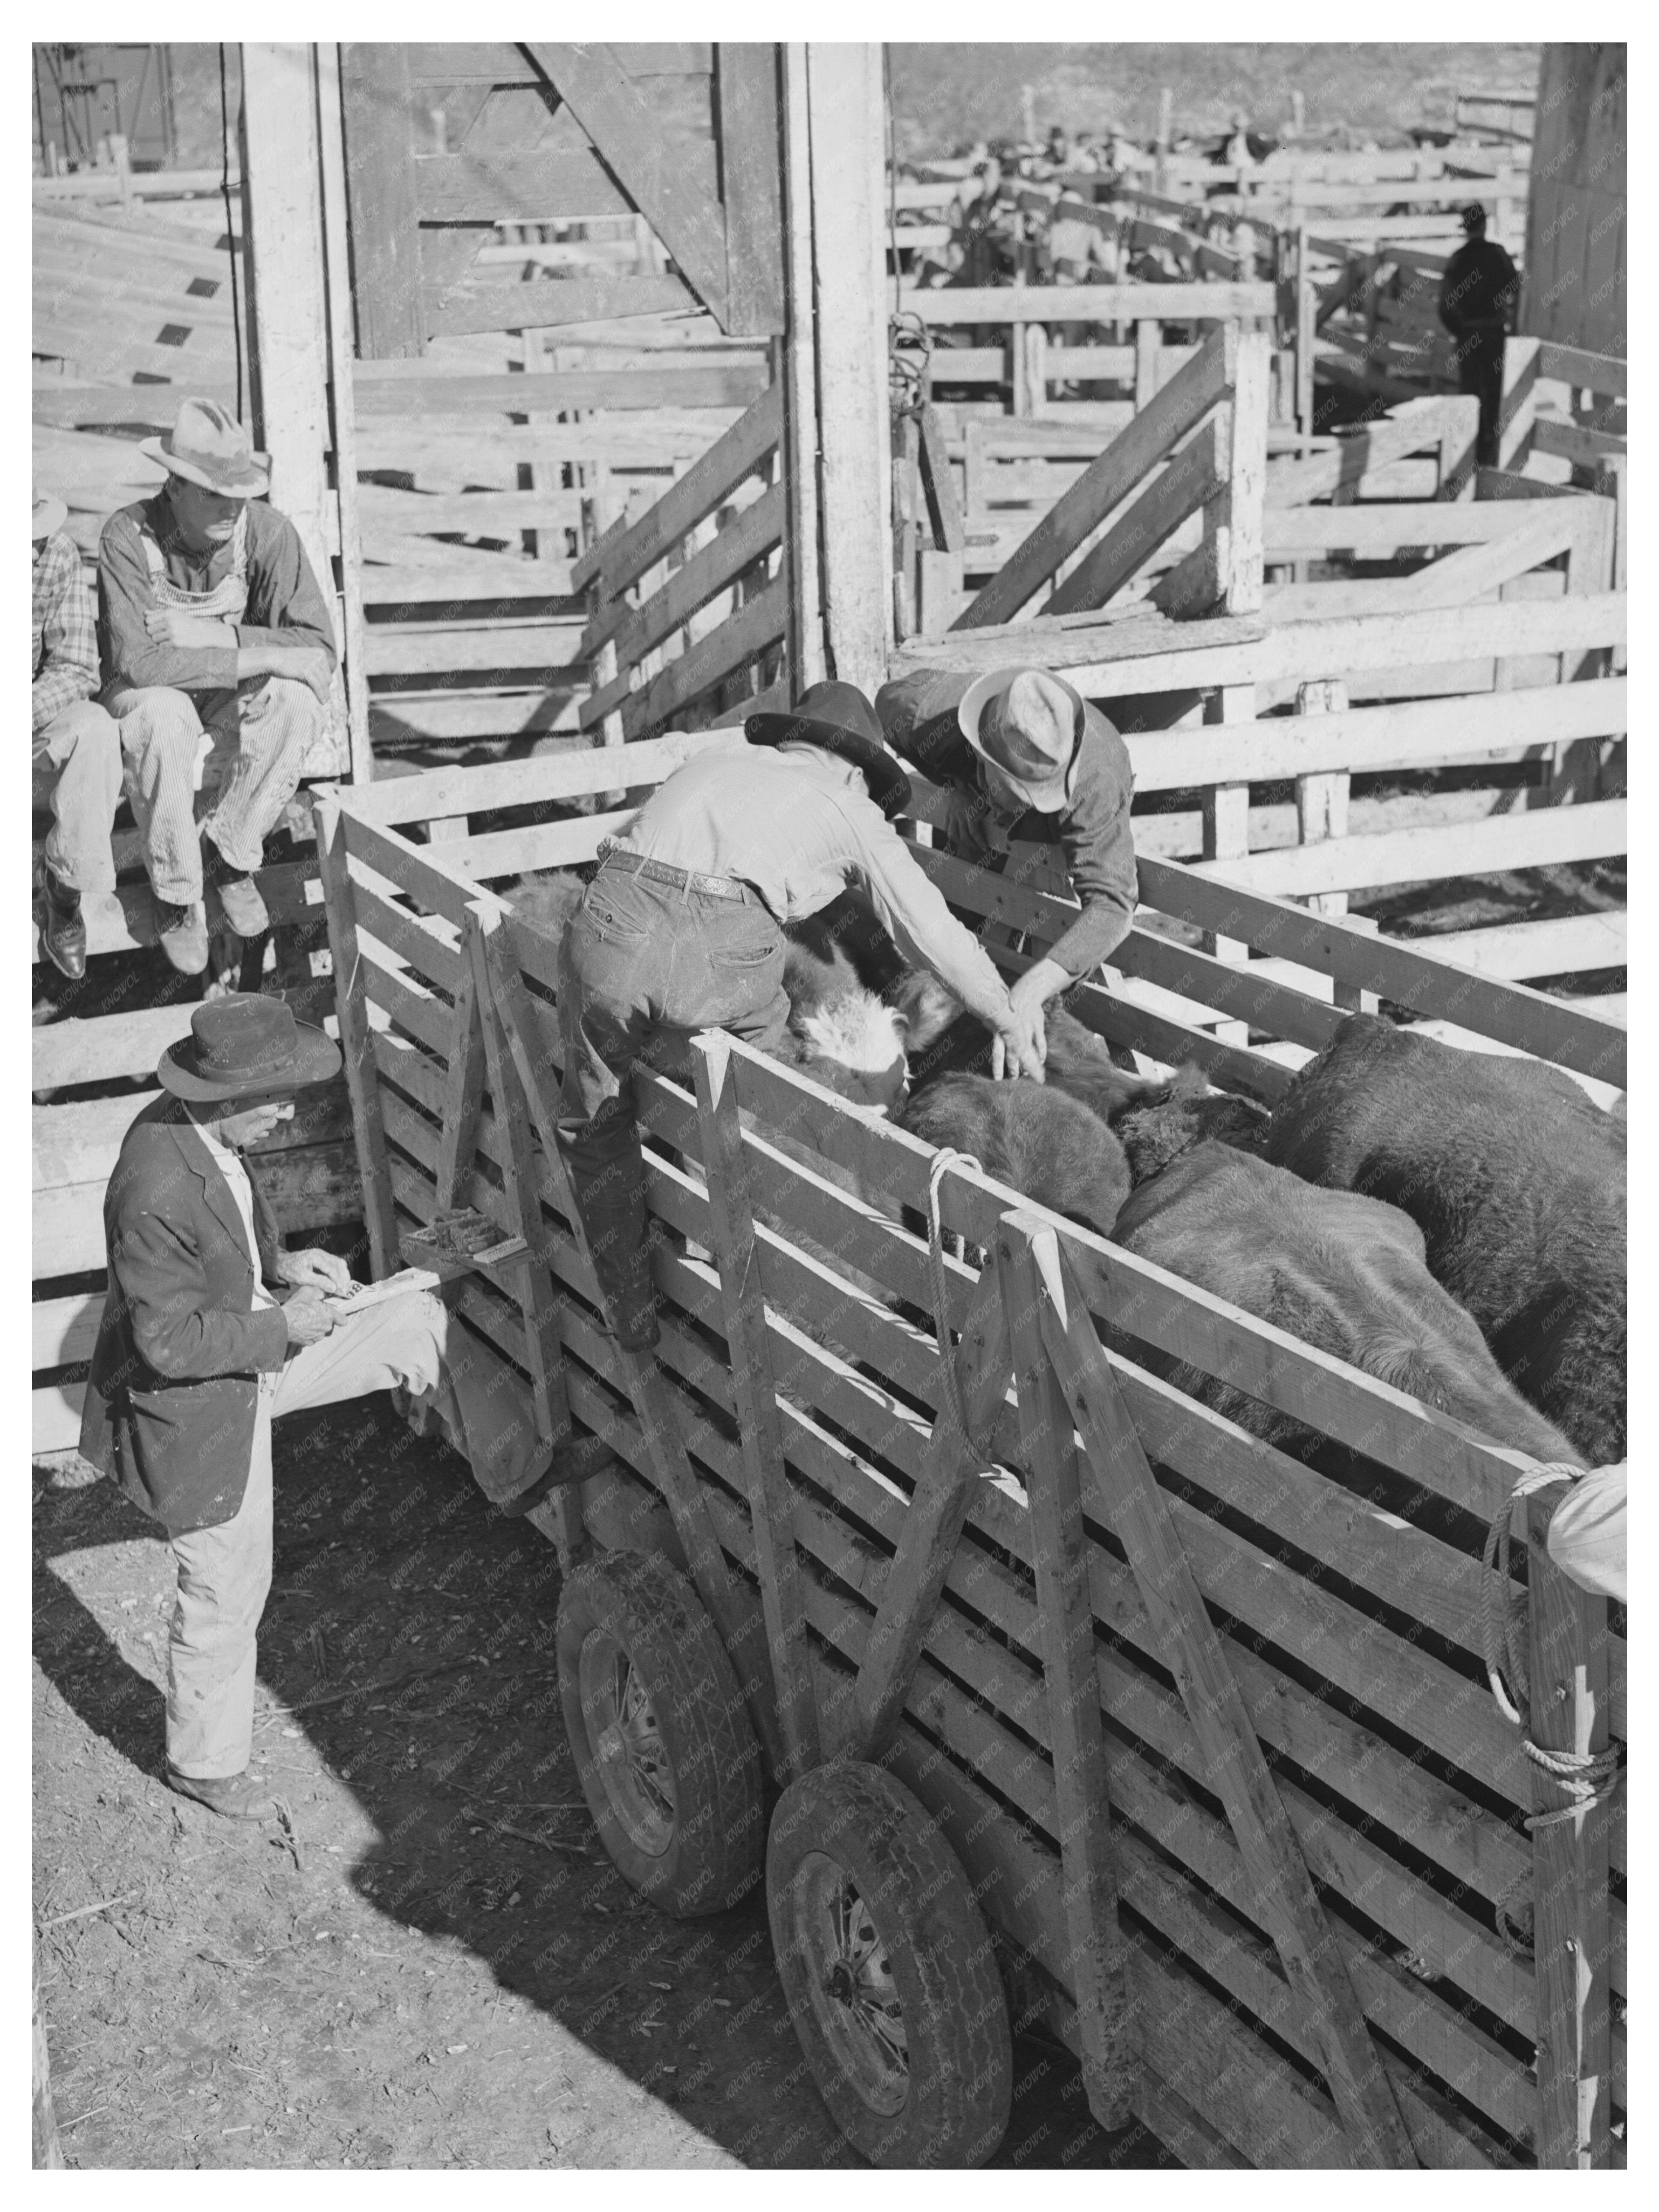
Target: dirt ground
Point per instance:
(434, 1964)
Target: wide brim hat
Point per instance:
(207, 445)
(838, 717)
(245, 1044)
(48, 513)
(1046, 794)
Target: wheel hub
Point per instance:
(840, 1985)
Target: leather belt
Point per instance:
(658, 872)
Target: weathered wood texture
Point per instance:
(1351, 1632)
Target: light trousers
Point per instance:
(271, 723)
(77, 762)
(224, 1573)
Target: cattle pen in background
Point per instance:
(578, 526)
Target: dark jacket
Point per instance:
(1478, 291)
(172, 1392)
(919, 716)
(284, 606)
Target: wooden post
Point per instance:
(1226, 812)
(385, 240)
(519, 1182)
(800, 380)
(1305, 339)
(1035, 338)
(1066, 1620)
(342, 394)
(351, 1003)
(927, 1538)
(1567, 1667)
(1518, 412)
(1149, 336)
(1127, 1497)
(846, 103)
(287, 307)
(770, 1499)
(1322, 801)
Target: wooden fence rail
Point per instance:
(1401, 1792)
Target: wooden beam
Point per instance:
(1094, 303)
(848, 159)
(744, 1304)
(1190, 478)
(622, 556)
(933, 1524)
(478, 397)
(1060, 1557)
(1127, 1497)
(746, 77)
(1567, 1714)
(342, 403)
(546, 306)
(380, 184)
(369, 1130)
(801, 469)
(489, 184)
(288, 310)
(1107, 480)
(627, 135)
(1411, 974)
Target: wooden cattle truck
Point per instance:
(1086, 1710)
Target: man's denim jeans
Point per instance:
(643, 966)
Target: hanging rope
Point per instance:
(946, 1161)
(1586, 1779)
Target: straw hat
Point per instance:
(1029, 724)
(207, 445)
(49, 514)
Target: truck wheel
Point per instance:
(889, 1970)
(667, 1761)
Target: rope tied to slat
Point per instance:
(1586, 1779)
(946, 1161)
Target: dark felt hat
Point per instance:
(838, 717)
(245, 1044)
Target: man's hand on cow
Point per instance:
(315, 1270)
(307, 1316)
(1020, 1047)
(177, 626)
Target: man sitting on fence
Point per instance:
(210, 621)
(680, 930)
(195, 1357)
(1024, 757)
(1477, 295)
(76, 753)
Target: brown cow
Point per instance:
(1516, 1181)
(1344, 1273)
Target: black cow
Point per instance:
(1517, 1181)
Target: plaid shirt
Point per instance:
(65, 665)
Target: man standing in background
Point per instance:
(1477, 295)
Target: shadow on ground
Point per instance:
(434, 1964)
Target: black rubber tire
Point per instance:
(959, 2091)
(712, 1848)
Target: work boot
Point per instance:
(63, 930)
(237, 1797)
(182, 934)
(239, 895)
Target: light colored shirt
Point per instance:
(1586, 1530)
(229, 1164)
(788, 825)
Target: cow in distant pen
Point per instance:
(1517, 1183)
